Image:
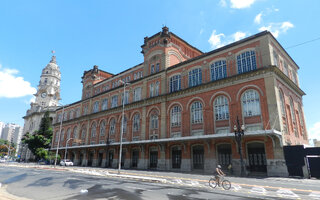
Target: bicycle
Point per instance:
(225, 183)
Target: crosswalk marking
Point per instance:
(315, 195)
(286, 193)
(259, 190)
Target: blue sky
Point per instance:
(109, 34)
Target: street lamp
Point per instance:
(238, 134)
(122, 121)
(65, 153)
(61, 119)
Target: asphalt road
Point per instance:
(56, 184)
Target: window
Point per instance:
(114, 102)
(196, 113)
(126, 98)
(75, 132)
(93, 130)
(175, 83)
(104, 104)
(45, 81)
(137, 94)
(83, 134)
(282, 104)
(195, 77)
(154, 121)
(96, 107)
(65, 116)
(62, 136)
(124, 124)
(85, 109)
(275, 58)
(112, 126)
(156, 89)
(221, 108)
(176, 116)
(57, 136)
(250, 103)
(68, 133)
(294, 77)
(285, 68)
(157, 67)
(292, 111)
(246, 62)
(134, 76)
(136, 122)
(301, 120)
(102, 128)
(152, 69)
(151, 90)
(78, 112)
(218, 70)
(71, 115)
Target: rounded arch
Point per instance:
(120, 117)
(215, 95)
(193, 100)
(110, 118)
(102, 119)
(245, 50)
(92, 122)
(134, 113)
(172, 105)
(154, 53)
(194, 67)
(174, 74)
(217, 59)
(175, 53)
(152, 109)
(246, 87)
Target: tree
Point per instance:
(40, 141)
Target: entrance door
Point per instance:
(198, 162)
(257, 157)
(135, 158)
(110, 159)
(72, 157)
(224, 155)
(90, 159)
(100, 156)
(80, 159)
(123, 157)
(176, 158)
(153, 159)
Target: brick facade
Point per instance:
(173, 112)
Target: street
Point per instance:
(44, 182)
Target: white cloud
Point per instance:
(223, 3)
(277, 28)
(219, 40)
(257, 19)
(12, 86)
(239, 4)
(201, 31)
(314, 131)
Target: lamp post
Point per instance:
(122, 121)
(61, 119)
(238, 134)
(65, 153)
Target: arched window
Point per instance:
(156, 89)
(196, 113)
(218, 70)
(282, 104)
(68, 133)
(112, 126)
(195, 77)
(246, 61)
(154, 121)
(176, 116)
(57, 136)
(96, 106)
(102, 128)
(75, 132)
(221, 108)
(93, 129)
(250, 103)
(136, 122)
(83, 134)
(175, 83)
(62, 135)
(292, 111)
(124, 124)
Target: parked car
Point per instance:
(66, 162)
(2, 160)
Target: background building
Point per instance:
(12, 133)
(47, 99)
(2, 124)
(181, 107)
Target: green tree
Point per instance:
(41, 139)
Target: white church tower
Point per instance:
(47, 99)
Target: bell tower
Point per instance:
(48, 91)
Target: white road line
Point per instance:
(315, 195)
(259, 190)
(236, 187)
(286, 193)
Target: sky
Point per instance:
(110, 34)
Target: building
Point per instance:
(47, 99)
(2, 124)
(8, 132)
(316, 143)
(181, 106)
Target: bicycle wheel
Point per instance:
(212, 182)
(226, 184)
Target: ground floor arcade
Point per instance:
(262, 154)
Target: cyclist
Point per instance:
(218, 174)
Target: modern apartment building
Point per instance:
(181, 106)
